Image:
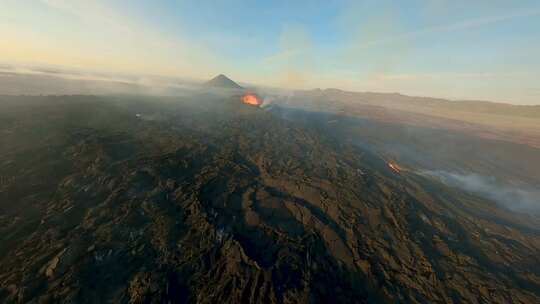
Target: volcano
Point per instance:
(222, 81)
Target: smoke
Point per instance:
(37, 80)
(513, 198)
(268, 102)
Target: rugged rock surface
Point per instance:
(201, 200)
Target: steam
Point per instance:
(268, 101)
(513, 198)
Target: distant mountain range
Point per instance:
(514, 123)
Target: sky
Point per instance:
(482, 49)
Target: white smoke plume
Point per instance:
(513, 198)
(268, 101)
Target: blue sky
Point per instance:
(456, 49)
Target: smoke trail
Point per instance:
(513, 198)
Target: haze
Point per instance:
(276, 152)
(480, 50)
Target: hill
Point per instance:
(514, 123)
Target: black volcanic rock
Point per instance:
(222, 81)
(197, 200)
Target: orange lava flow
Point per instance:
(251, 99)
(394, 167)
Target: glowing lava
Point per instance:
(395, 167)
(251, 99)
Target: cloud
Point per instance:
(458, 26)
(371, 53)
(441, 76)
(96, 10)
(98, 35)
(292, 65)
(37, 80)
(378, 53)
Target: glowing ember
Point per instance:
(395, 167)
(251, 99)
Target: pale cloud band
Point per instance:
(459, 26)
(99, 36)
